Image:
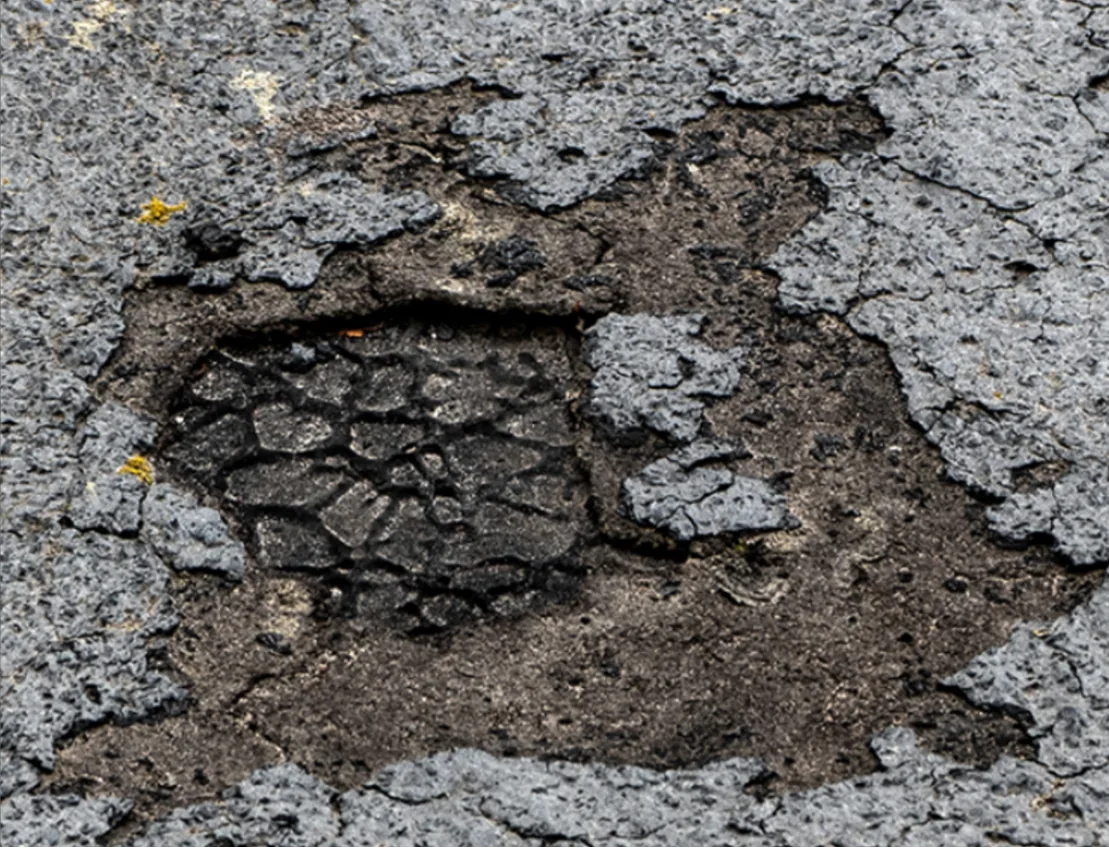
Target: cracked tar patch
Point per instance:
(425, 470)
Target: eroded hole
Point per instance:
(794, 645)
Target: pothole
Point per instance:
(443, 549)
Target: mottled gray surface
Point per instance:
(1056, 675)
(652, 373)
(973, 245)
(59, 819)
(79, 607)
(276, 806)
(470, 798)
(189, 537)
(688, 494)
(990, 293)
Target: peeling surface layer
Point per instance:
(973, 245)
(1069, 716)
(688, 497)
(470, 798)
(206, 148)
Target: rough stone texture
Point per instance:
(1055, 675)
(995, 119)
(470, 798)
(973, 245)
(278, 806)
(651, 374)
(687, 497)
(78, 608)
(598, 78)
(189, 537)
(58, 819)
(75, 634)
(921, 799)
(430, 466)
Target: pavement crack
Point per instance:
(1007, 211)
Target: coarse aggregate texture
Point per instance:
(689, 495)
(1069, 712)
(79, 607)
(972, 243)
(59, 819)
(652, 373)
(471, 798)
(189, 537)
(991, 299)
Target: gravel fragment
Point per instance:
(190, 537)
(688, 495)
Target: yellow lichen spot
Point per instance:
(720, 12)
(103, 9)
(138, 466)
(262, 87)
(100, 12)
(82, 32)
(32, 32)
(158, 212)
(998, 395)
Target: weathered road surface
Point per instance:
(587, 423)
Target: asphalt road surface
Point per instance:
(572, 423)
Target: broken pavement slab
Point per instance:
(650, 372)
(1070, 717)
(682, 494)
(468, 797)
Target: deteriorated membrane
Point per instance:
(427, 471)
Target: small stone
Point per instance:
(275, 642)
(190, 537)
(213, 278)
(387, 388)
(446, 510)
(682, 496)
(443, 611)
(351, 518)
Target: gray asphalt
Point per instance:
(972, 243)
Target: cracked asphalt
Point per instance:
(588, 424)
